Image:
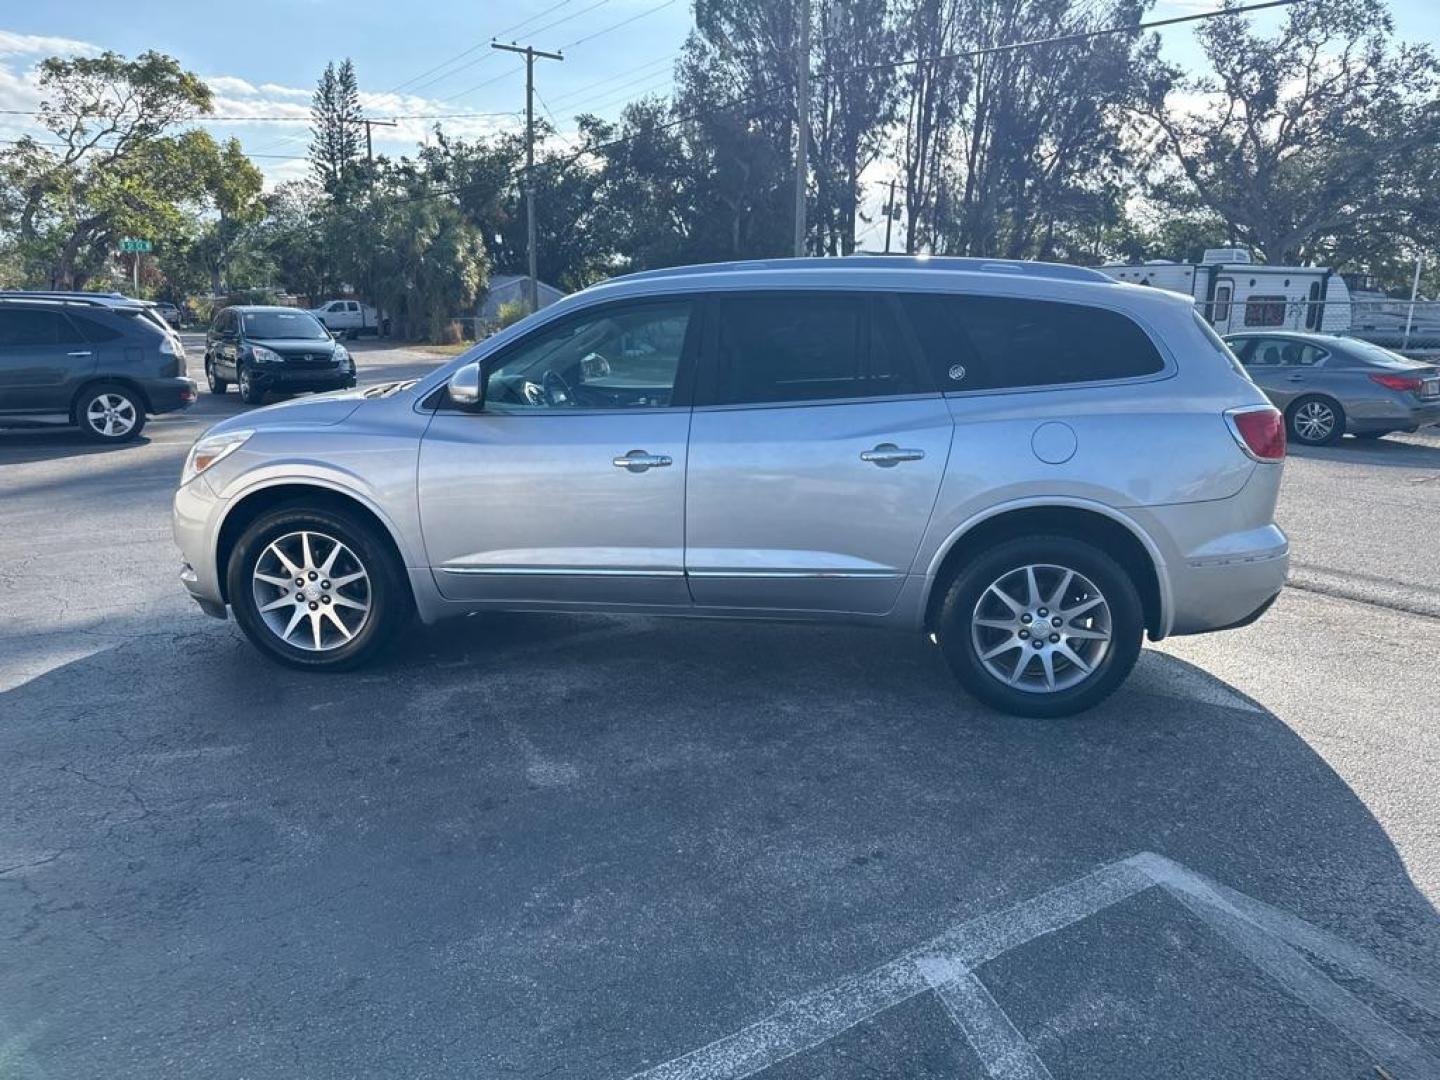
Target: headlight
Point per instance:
(262, 355)
(210, 449)
(344, 359)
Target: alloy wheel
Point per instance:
(1314, 421)
(312, 591)
(1041, 628)
(112, 415)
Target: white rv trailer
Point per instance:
(1235, 293)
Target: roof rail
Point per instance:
(93, 299)
(1060, 271)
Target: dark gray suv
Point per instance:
(102, 362)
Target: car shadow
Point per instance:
(532, 844)
(23, 445)
(1392, 450)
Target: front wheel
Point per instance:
(316, 589)
(217, 385)
(250, 393)
(1044, 626)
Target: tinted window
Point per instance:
(32, 326)
(993, 342)
(891, 359)
(788, 347)
(94, 330)
(283, 326)
(614, 358)
(1282, 352)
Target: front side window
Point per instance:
(997, 342)
(21, 327)
(1265, 311)
(283, 326)
(615, 358)
(789, 347)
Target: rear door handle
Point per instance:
(82, 352)
(637, 461)
(1297, 378)
(888, 455)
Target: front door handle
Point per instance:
(637, 461)
(1297, 378)
(81, 352)
(887, 455)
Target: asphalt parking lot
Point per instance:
(551, 846)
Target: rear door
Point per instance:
(42, 358)
(816, 452)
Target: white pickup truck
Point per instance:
(350, 318)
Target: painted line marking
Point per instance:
(995, 1039)
(945, 965)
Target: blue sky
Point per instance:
(266, 61)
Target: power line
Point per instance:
(580, 91)
(210, 118)
(617, 26)
(62, 146)
(466, 52)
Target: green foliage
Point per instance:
(511, 312)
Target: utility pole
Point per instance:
(369, 148)
(889, 215)
(1414, 292)
(802, 142)
(530, 54)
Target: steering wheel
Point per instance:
(557, 390)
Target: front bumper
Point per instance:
(281, 377)
(169, 395)
(196, 509)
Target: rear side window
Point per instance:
(1000, 343)
(93, 330)
(20, 327)
(780, 347)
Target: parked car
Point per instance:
(264, 349)
(170, 313)
(1330, 385)
(99, 362)
(350, 318)
(1034, 464)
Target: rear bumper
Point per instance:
(168, 395)
(1394, 413)
(1229, 588)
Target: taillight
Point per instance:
(1398, 382)
(1260, 431)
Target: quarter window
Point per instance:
(994, 342)
(625, 358)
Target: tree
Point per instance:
(116, 170)
(1303, 138)
(336, 119)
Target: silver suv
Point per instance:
(1033, 464)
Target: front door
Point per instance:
(816, 453)
(569, 486)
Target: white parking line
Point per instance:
(945, 965)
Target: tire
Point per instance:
(1314, 420)
(348, 637)
(250, 394)
(980, 657)
(217, 385)
(110, 413)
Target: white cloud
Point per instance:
(229, 84)
(276, 90)
(13, 44)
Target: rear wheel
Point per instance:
(316, 589)
(1044, 626)
(1316, 421)
(110, 413)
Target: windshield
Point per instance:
(283, 326)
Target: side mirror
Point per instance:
(467, 388)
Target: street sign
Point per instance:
(129, 244)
